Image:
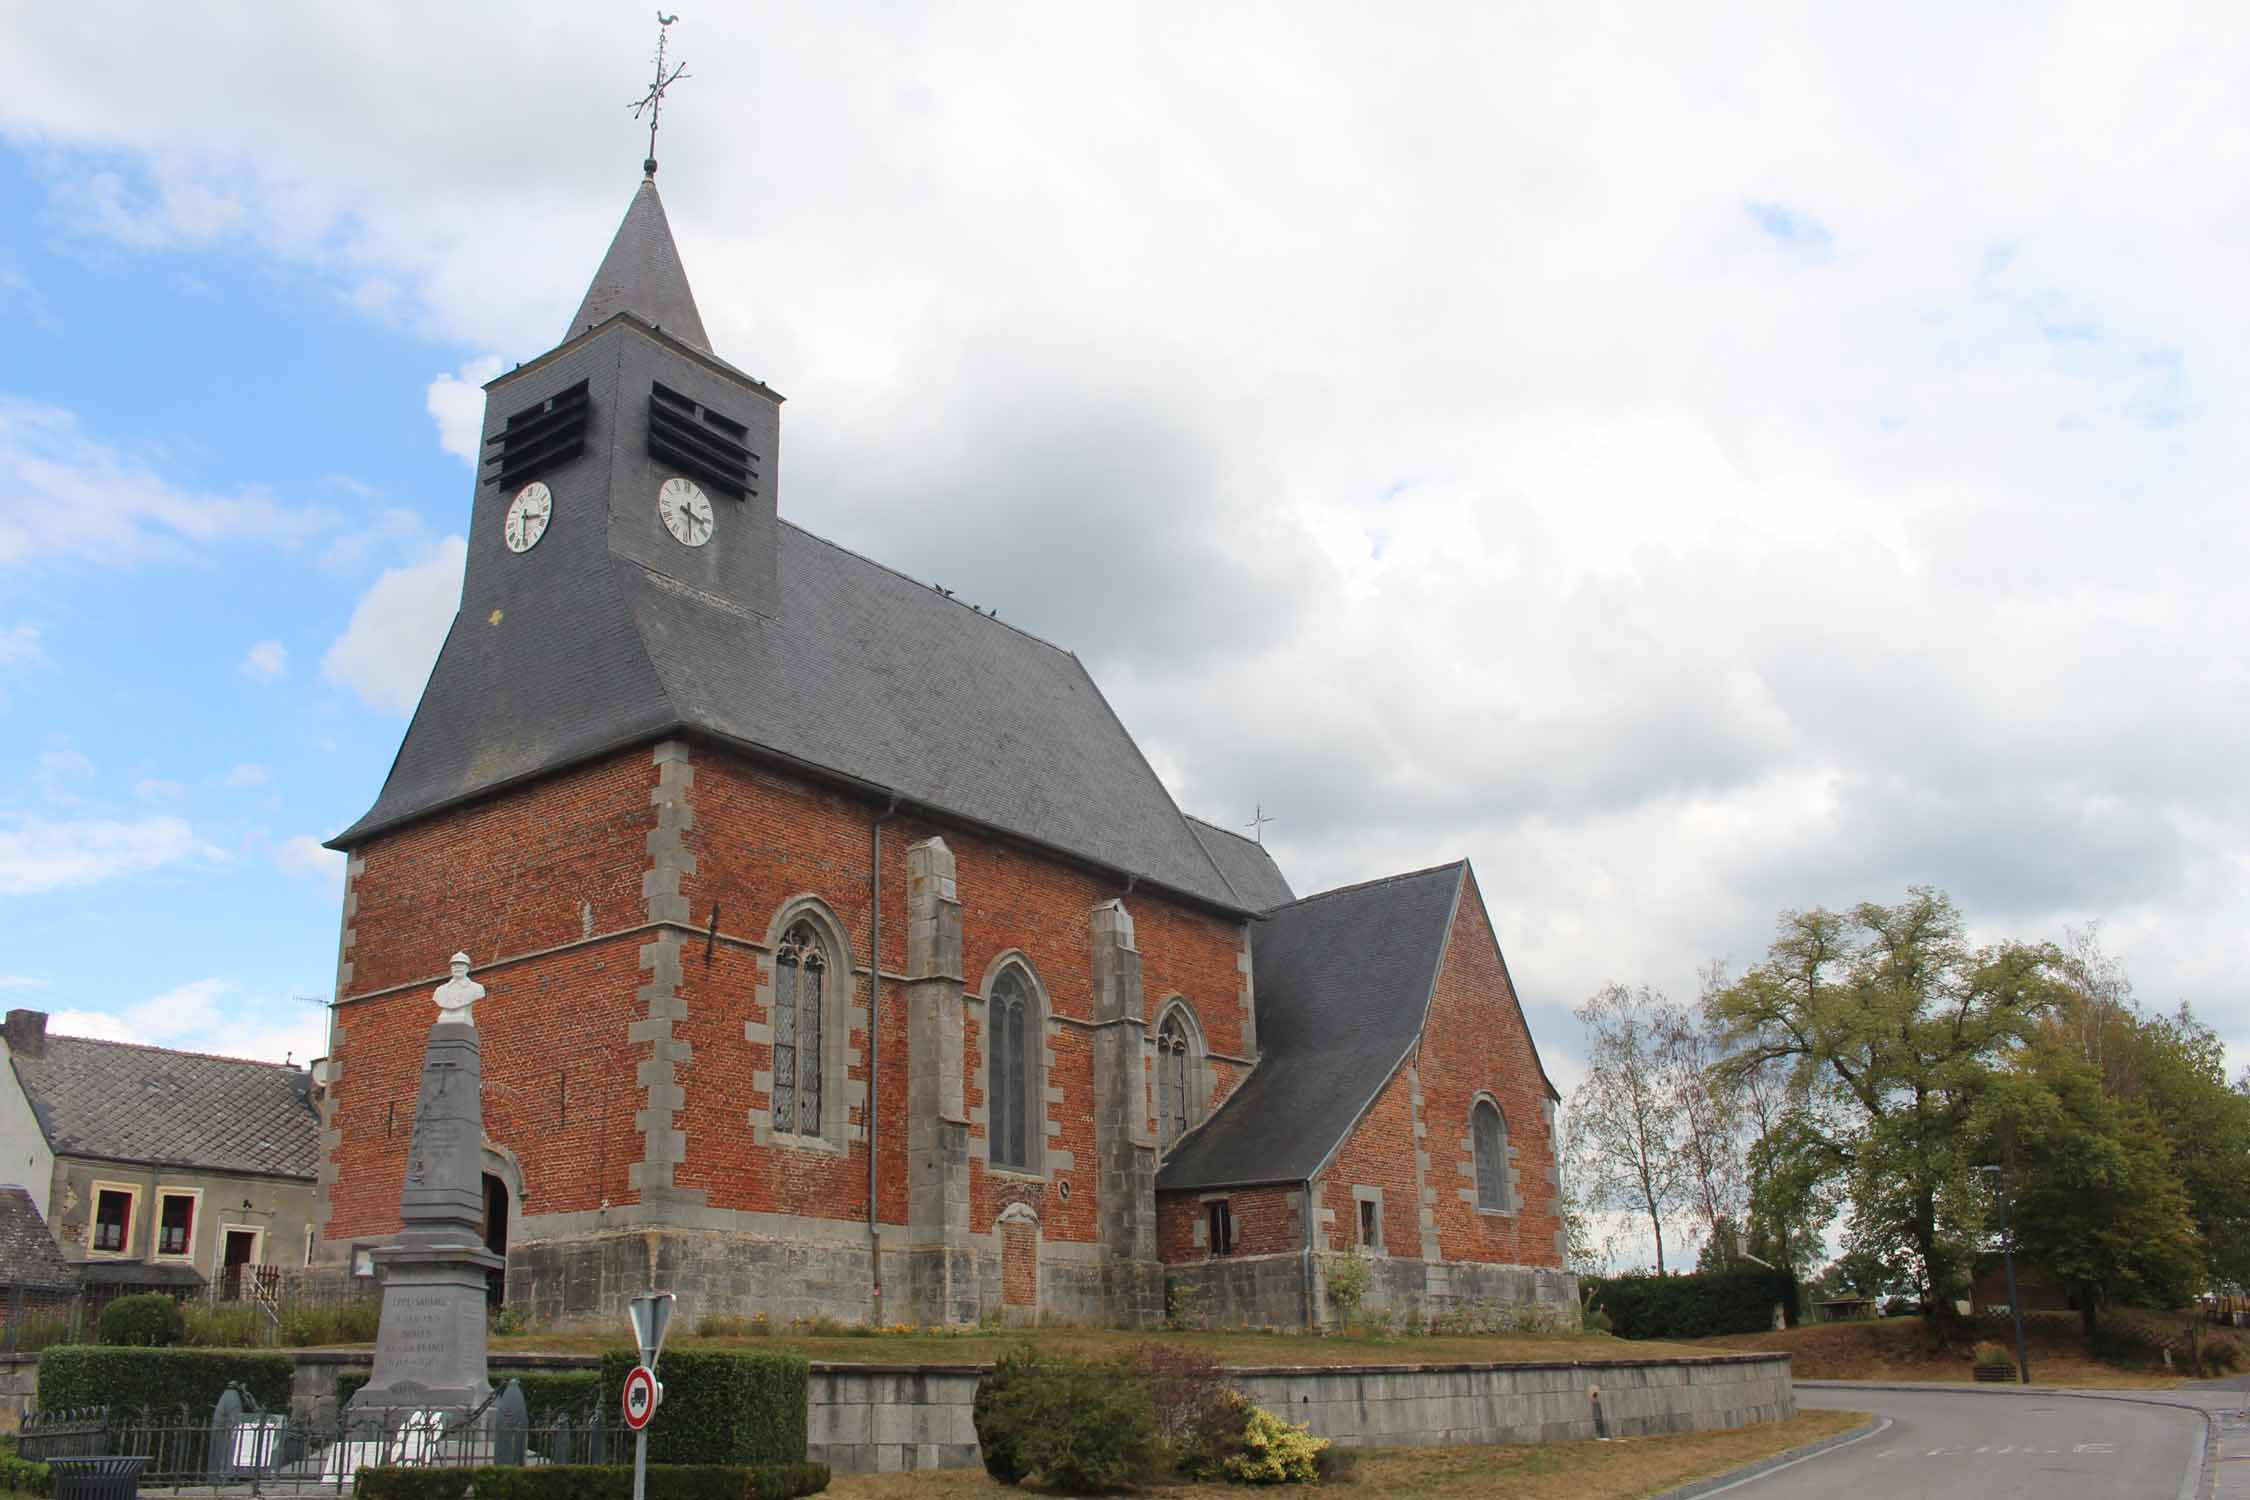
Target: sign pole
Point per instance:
(651, 1313)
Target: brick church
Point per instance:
(844, 954)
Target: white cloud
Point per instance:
(456, 404)
(205, 1015)
(385, 654)
(21, 982)
(247, 773)
(37, 856)
(158, 789)
(268, 661)
(60, 772)
(64, 495)
(20, 645)
(303, 856)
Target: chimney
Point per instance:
(26, 1033)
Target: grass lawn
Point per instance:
(1544, 1471)
(1237, 1348)
(1902, 1349)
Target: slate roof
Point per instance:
(28, 1255)
(858, 671)
(1343, 983)
(643, 275)
(1245, 863)
(125, 1102)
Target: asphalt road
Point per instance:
(1987, 1445)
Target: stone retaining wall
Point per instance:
(885, 1418)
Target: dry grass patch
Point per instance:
(1545, 1471)
(1238, 1349)
(1905, 1349)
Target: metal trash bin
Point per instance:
(110, 1478)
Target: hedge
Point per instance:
(82, 1375)
(721, 1406)
(1698, 1306)
(595, 1482)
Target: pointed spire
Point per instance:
(643, 275)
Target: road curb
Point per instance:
(1782, 1460)
(2202, 1474)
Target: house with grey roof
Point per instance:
(155, 1168)
(843, 953)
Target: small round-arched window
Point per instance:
(800, 981)
(1488, 1132)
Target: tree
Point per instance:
(1624, 1120)
(1710, 1129)
(1899, 1026)
(2094, 1197)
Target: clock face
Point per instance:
(528, 515)
(686, 511)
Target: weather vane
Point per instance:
(653, 100)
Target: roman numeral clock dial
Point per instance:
(528, 515)
(686, 511)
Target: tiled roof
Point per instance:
(1343, 985)
(642, 275)
(187, 1109)
(28, 1255)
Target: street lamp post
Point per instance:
(2008, 1258)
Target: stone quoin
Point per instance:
(844, 954)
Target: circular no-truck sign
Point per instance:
(641, 1395)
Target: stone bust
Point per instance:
(457, 997)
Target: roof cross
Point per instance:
(1257, 824)
(653, 100)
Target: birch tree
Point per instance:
(1625, 1119)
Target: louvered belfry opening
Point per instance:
(541, 437)
(700, 443)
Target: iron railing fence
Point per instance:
(274, 1453)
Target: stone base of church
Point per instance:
(585, 1279)
(1268, 1291)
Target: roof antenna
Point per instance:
(653, 100)
(1257, 824)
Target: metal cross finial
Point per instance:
(653, 100)
(1257, 824)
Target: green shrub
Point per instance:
(1347, 1285)
(2221, 1356)
(1276, 1452)
(145, 1320)
(305, 1325)
(398, 1482)
(1073, 1423)
(1704, 1305)
(348, 1384)
(82, 1375)
(721, 1406)
(21, 1476)
(551, 1395)
(596, 1482)
(1199, 1414)
(1990, 1354)
(221, 1325)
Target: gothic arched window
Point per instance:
(800, 981)
(1011, 1016)
(1489, 1134)
(1174, 1065)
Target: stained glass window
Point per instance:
(1171, 1081)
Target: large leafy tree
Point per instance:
(2095, 1199)
(1896, 1026)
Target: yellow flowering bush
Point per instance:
(1276, 1452)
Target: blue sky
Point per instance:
(1693, 464)
(247, 454)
